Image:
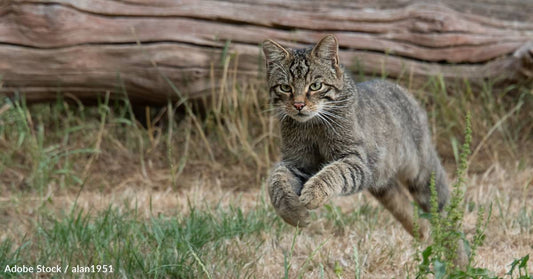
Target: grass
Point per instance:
(159, 247)
(184, 196)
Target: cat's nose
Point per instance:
(299, 105)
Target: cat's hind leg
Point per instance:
(396, 200)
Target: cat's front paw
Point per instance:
(313, 194)
(292, 211)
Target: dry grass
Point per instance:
(59, 156)
(385, 250)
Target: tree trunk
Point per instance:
(86, 48)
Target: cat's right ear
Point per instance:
(274, 52)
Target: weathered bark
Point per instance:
(90, 47)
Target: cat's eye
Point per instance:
(285, 88)
(315, 86)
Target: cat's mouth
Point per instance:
(303, 116)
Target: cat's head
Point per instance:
(304, 83)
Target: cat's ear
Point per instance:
(327, 48)
(274, 51)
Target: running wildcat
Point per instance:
(339, 137)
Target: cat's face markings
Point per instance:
(303, 82)
(299, 68)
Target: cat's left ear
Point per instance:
(327, 48)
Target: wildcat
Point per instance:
(339, 137)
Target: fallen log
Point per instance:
(86, 48)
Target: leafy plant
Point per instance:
(440, 258)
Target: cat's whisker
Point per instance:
(332, 123)
(329, 123)
(328, 105)
(333, 116)
(282, 116)
(324, 120)
(333, 108)
(335, 127)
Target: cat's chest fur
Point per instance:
(309, 147)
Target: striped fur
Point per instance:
(339, 138)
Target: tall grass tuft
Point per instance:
(31, 153)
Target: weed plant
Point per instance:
(439, 258)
